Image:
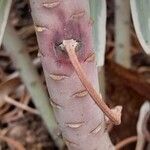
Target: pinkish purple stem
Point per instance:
(79, 118)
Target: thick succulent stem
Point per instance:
(79, 118)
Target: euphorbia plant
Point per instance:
(64, 33)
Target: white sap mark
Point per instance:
(51, 4)
(90, 58)
(75, 125)
(78, 14)
(97, 129)
(81, 94)
(57, 77)
(39, 28)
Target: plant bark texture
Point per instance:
(79, 118)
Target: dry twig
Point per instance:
(115, 114)
(12, 142)
(20, 105)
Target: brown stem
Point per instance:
(125, 142)
(114, 116)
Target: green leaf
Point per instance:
(5, 6)
(141, 18)
(98, 14)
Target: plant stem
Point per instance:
(98, 14)
(122, 33)
(141, 21)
